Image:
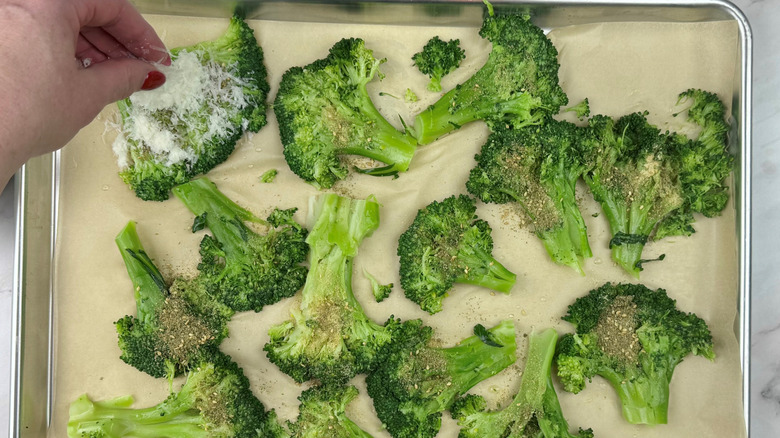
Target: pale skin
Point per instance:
(61, 62)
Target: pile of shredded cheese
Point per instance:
(171, 123)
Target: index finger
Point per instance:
(122, 21)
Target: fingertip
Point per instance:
(154, 79)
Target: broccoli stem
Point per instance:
(473, 361)
(485, 271)
(559, 246)
(224, 217)
(447, 115)
(173, 418)
(644, 400)
(148, 284)
(567, 244)
(387, 144)
(636, 226)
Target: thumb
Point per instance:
(116, 79)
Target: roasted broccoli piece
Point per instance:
(534, 411)
(536, 168)
(380, 291)
(633, 337)
(322, 413)
(634, 174)
(437, 59)
(416, 380)
(173, 323)
(244, 269)
(330, 338)
(650, 183)
(518, 84)
(705, 163)
(325, 113)
(582, 109)
(448, 244)
(214, 91)
(215, 401)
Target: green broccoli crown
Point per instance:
(437, 59)
(322, 413)
(705, 164)
(534, 411)
(330, 338)
(536, 168)
(448, 244)
(325, 112)
(518, 84)
(215, 401)
(634, 174)
(214, 91)
(415, 380)
(634, 337)
(244, 269)
(173, 323)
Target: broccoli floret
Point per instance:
(704, 164)
(380, 291)
(415, 380)
(325, 113)
(215, 401)
(534, 411)
(518, 83)
(634, 174)
(330, 338)
(582, 109)
(536, 169)
(448, 244)
(173, 324)
(410, 96)
(322, 413)
(633, 337)
(244, 269)
(214, 91)
(437, 59)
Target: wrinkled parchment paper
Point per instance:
(620, 67)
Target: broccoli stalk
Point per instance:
(536, 169)
(437, 59)
(215, 401)
(322, 413)
(518, 84)
(415, 381)
(633, 337)
(244, 269)
(215, 90)
(330, 338)
(325, 112)
(173, 324)
(448, 244)
(535, 409)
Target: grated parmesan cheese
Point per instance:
(193, 107)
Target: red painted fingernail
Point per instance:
(153, 80)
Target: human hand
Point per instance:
(62, 62)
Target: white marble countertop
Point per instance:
(765, 331)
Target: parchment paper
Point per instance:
(620, 67)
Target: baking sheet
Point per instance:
(621, 67)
